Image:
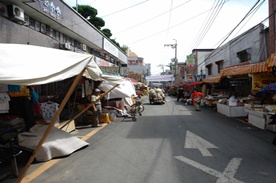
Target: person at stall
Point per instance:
(96, 107)
(180, 94)
(197, 96)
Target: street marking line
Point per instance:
(194, 141)
(226, 177)
(87, 136)
(230, 170)
(45, 166)
(39, 171)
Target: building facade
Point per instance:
(136, 65)
(272, 27)
(249, 47)
(54, 24)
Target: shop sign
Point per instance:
(262, 79)
(110, 70)
(181, 71)
(138, 61)
(109, 47)
(49, 8)
(190, 61)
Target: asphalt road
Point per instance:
(171, 143)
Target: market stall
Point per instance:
(260, 113)
(33, 65)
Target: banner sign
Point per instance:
(262, 79)
(190, 61)
(160, 78)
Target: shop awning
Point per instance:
(236, 70)
(194, 84)
(260, 67)
(271, 61)
(212, 79)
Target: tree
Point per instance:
(87, 11)
(90, 14)
(115, 42)
(107, 32)
(97, 22)
(124, 48)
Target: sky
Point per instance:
(145, 26)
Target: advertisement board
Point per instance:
(260, 80)
(190, 61)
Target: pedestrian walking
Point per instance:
(97, 108)
(197, 96)
(180, 93)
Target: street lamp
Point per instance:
(174, 46)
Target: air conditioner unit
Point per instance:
(83, 47)
(16, 13)
(67, 46)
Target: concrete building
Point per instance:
(137, 69)
(54, 24)
(249, 47)
(272, 27)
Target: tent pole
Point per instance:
(90, 105)
(50, 126)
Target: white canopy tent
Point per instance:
(34, 65)
(122, 91)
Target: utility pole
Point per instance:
(174, 46)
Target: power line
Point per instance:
(151, 18)
(247, 14)
(209, 23)
(170, 15)
(173, 26)
(225, 38)
(253, 13)
(124, 9)
(202, 27)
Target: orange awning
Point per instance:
(260, 67)
(236, 70)
(212, 79)
(271, 61)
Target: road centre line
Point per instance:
(45, 166)
(226, 177)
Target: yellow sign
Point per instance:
(262, 79)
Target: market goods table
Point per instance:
(170, 143)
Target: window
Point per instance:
(209, 68)
(219, 65)
(244, 55)
(31, 23)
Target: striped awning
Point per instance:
(271, 61)
(212, 79)
(236, 70)
(260, 67)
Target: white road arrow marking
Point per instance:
(226, 177)
(193, 141)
